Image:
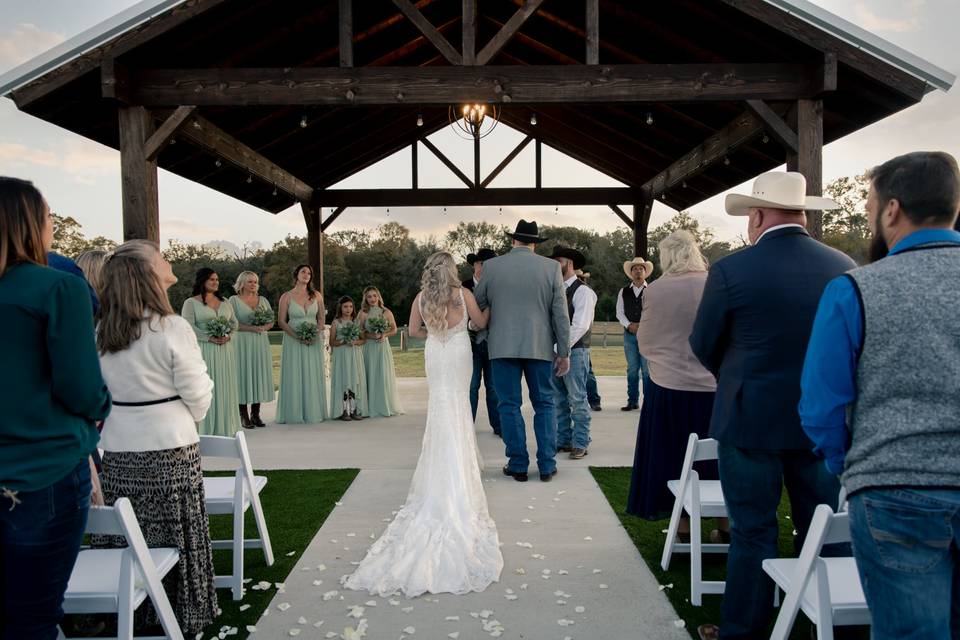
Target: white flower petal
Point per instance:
(563, 622)
(453, 618)
(302, 620)
(351, 535)
(603, 586)
(371, 603)
(523, 586)
(520, 571)
(486, 613)
(292, 553)
(579, 609)
(331, 634)
(318, 623)
(454, 635)
(339, 504)
(562, 572)
(679, 624)
(407, 609)
(526, 521)
(317, 583)
(251, 628)
(244, 607)
(356, 611)
(409, 630)
(511, 596)
(595, 571)
(283, 606)
(588, 538)
(394, 602)
(294, 632)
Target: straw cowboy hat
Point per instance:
(777, 190)
(527, 232)
(647, 267)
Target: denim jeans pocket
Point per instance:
(33, 509)
(912, 534)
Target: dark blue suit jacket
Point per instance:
(752, 330)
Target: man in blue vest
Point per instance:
(885, 347)
(751, 331)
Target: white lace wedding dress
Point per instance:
(442, 540)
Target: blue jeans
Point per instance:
(593, 394)
(481, 368)
(507, 373)
(636, 367)
(753, 482)
(570, 397)
(905, 541)
(39, 542)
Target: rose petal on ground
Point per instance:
(562, 572)
(679, 624)
(294, 632)
(409, 630)
(394, 602)
(283, 606)
(454, 635)
(563, 622)
(356, 611)
(351, 535)
(526, 521)
(244, 607)
(524, 586)
(486, 613)
(317, 583)
(407, 609)
(251, 628)
(603, 586)
(302, 620)
(453, 618)
(371, 603)
(318, 623)
(598, 571)
(579, 609)
(588, 538)
(292, 553)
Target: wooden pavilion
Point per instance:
(275, 102)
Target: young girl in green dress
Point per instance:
(254, 359)
(219, 353)
(382, 396)
(303, 375)
(348, 382)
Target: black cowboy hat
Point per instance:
(527, 232)
(482, 255)
(578, 259)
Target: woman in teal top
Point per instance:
(303, 375)
(348, 381)
(382, 396)
(52, 395)
(220, 354)
(254, 358)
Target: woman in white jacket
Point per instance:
(153, 367)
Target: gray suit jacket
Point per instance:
(528, 306)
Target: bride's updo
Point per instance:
(439, 283)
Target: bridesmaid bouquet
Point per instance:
(307, 332)
(219, 327)
(261, 317)
(378, 324)
(348, 333)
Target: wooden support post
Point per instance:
(476, 162)
(138, 176)
(593, 32)
(539, 165)
(414, 167)
(641, 222)
(346, 33)
(469, 32)
(311, 216)
(809, 157)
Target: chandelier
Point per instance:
(473, 121)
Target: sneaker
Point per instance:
(576, 454)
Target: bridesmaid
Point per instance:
(303, 377)
(348, 377)
(254, 358)
(382, 397)
(220, 354)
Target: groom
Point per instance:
(528, 316)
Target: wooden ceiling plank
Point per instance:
(345, 24)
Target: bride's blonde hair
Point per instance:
(439, 284)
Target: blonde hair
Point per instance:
(364, 306)
(439, 284)
(679, 253)
(242, 281)
(131, 291)
(91, 263)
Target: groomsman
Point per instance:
(481, 355)
(570, 391)
(629, 307)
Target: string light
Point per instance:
(249, 179)
(274, 191)
(726, 161)
(649, 117)
(217, 162)
(303, 122)
(766, 138)
(533, 119)
(419, 119)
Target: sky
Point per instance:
(81, 178)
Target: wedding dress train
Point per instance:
(442, 540)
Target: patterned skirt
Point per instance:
(166, 490)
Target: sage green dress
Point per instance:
(223, 418)
(347, 373)
(303, 376)
(254, 359)
(382, 397)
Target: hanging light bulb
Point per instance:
(419, 119)
(649, 117)
(533, 119)
(249, 179)
(303, 122)
(217, 162)
(766, 138)
(274, 191)
(726, 161)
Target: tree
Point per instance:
(68, 239)
(470, 237)
(847, 228)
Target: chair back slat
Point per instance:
(104, 521)
(838, 529)
(706, 449)
(219, 447)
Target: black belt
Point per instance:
(145, 403)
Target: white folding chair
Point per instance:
(699, 499)
(226, 495)
(119, 580)
(827, 590)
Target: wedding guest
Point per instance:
(482, 370)
(898, 455)
(593, 393)
(303, 370)
(65, 264)
(751, 332)
(629, 312)
(348, 380)
(570, 391)
(678, 397)
(52, 394)
(91, 264)
(152, 363)
(382, 397)
(219, 352)
(254, 358)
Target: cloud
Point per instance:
(24, 41)
(18, 156)
(184, 229)
(907, 19)
(81, 159)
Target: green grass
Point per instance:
(295, 505)
(648, 537)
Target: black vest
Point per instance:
(584, 342)
(632, 305)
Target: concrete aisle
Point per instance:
(566, 530)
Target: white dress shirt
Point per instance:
(621, 314)
(779, 226)
(584, 303)
(163, 363)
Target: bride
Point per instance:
(443, 539)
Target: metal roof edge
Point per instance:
(82, 43)
(869, 42)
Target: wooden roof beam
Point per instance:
(507, 31)
(442, 44)
(203, 133)
(779, 129)
(490, 84)
(522, 196)
(165, 132)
